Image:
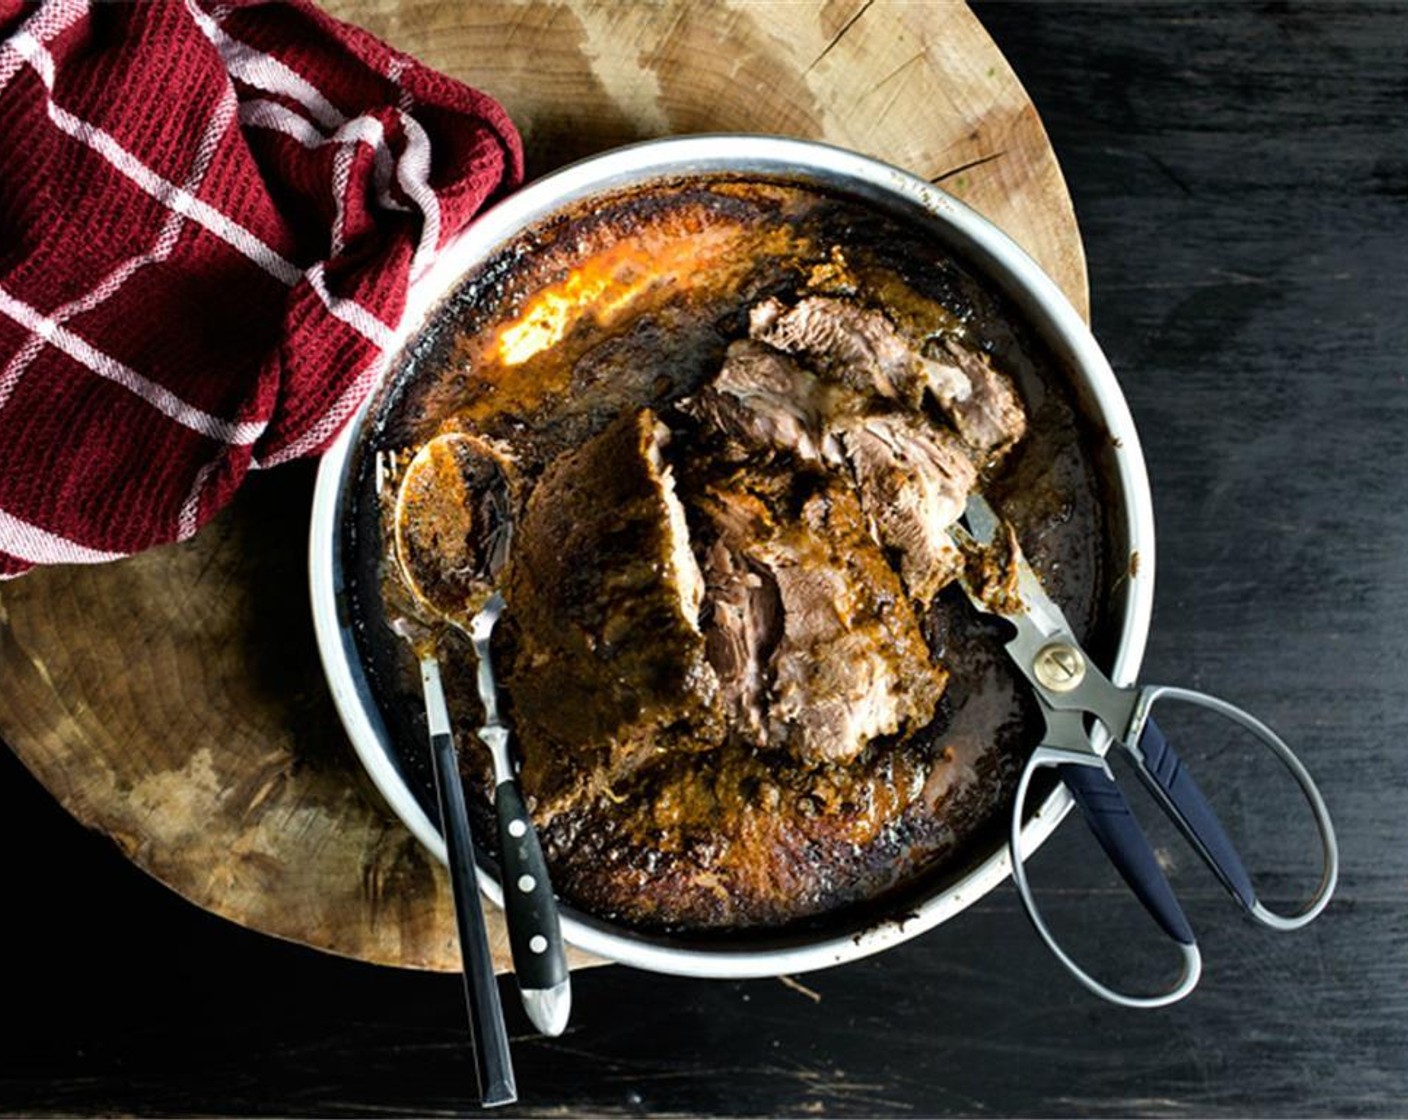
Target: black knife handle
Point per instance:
(534, 932)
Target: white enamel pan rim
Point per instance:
(972, 237)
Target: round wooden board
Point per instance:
(174, 701)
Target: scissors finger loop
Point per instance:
(1137, 738)
(1121, 837)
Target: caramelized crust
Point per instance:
(605, 597)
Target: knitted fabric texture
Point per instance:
(209, 219)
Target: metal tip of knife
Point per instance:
(549, 1008)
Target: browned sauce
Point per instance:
(629, 305)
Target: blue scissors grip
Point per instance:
(1109, 816)
(1163, 766)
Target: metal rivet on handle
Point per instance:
(538, 943)
(516, 829)
(1059, 667)
(526, 883)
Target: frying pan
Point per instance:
(381, 736)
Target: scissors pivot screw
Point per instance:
(1059, 667)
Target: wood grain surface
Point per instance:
(174, 701)
(1241, 178)
(917, 84)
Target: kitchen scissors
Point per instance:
(1086, 716)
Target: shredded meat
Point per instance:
(857, 347)
(850, 663)
(860, 348)
(843, 342)
(808, 628)
(913, 479)
(744, 616)
(763, 400)
(979, 399)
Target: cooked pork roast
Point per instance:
(606, 594)
(772, 601)
(745, 418)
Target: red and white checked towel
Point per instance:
(209, 216)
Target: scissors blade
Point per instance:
(1030, 602)
(1041, 627)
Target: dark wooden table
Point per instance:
(1241, 177)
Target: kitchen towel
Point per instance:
(209, 218)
